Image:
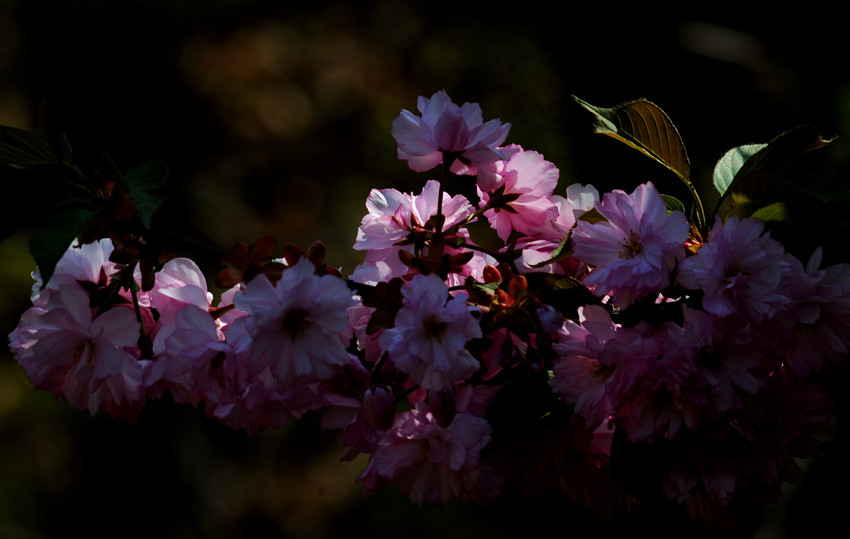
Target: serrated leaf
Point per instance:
(673, 203)
(777, 211)
(51, 239)
(790, 171)
(729, 165)
(643, 126)
(146, 184)
(22, 148)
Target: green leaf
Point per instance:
(789, 171)
(673, 203)
(21, 148)
(51, 239)
(642, 125)
(777, 211)
(645, 127)
(489, 288)
(146, 184)
(729, 165)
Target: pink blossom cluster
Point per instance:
(265, 354)
(596, 328)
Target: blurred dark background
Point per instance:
(275, 118)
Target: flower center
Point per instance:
(631, 247)
(295, 323)
(434, 327)
(602, 372)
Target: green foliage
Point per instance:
(51, 239)
(673, 203)
(642, 125)
(646, 128)
(23, 148)
(784, 180)
(729, 165)
(33, 181)
(40, 187)
(786, 183)
(146, 184)
(791, 186)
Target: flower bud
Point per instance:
(316, 253)
(379, 407)
(442, 405)
(491, 274)
(292, 253)
(550, 319)
(517, 284)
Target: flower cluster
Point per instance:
(598, 329)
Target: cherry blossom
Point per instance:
(429, 462)
(445, 128)
(428, 342)
(739, 270)
(598, 363)
(299, 327)
(818, 317)
(397, 222)
(567, 347)
(634, 251)
(526, 181)
(88, 360)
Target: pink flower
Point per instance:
(299, 326)
(428, 342)
(580, 199)
(529, 181)
(87, 360)
(393, 216)
(396, 221)
(738, 270)
(88, 262)
(656, 404)
(540, 246)
(634, 251)
(599, 361)
(180, 282)
(818, 319)
(372, 418)
(258, 408)
(445, 127)
(725, 355)
(428, 462)
(186, 337)
(186, 344)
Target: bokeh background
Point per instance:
(275, 117)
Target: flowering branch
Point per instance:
(599, 329)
